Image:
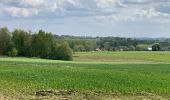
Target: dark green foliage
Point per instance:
(4, 40)
(117, 43)
(156, 47)
(10, 46)
(79, 48)
(54, 51)
(110, 43)
(64, 52)
(45, 46)
(42, 44)
(81, 44)
(22, 41)
(107, 46)
(13, 52)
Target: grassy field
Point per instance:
(125, 57)
(110, 74)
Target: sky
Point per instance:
(123, 18)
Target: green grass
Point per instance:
(125, 57)
(28, 75)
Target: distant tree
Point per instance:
(79, 48)
(5, 36)
(64, 52)
(54, 53)
(107, 46)
(141, 47)
(13, 52)
(124, 48)
(131, 48)
(42, 44)
(90, 45)
(10, 46)
(156, 47)
(22, 41)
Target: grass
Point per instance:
(28, 75)
(125, 57)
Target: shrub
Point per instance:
(79, 48)
(141, 47)
(13, 52)
(156, 47)
(65, 52)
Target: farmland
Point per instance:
(131, 57)
(112, 74)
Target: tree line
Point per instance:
(27, 44)
(49, 46)
(84, 44)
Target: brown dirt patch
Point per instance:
(75, 95)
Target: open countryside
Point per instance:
(84, 49)
(88, 76)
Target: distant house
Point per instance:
(97, 49)
(149, 49)
(121, 50)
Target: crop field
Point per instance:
(91, 75)
(131, 57)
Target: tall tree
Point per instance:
(42, 44)
(5, 36)
(22, 41)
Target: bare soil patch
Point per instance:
(75, 95)
(86, 95)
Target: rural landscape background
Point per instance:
(82, 67)
(84, 50)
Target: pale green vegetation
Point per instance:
(142, 57)
(118, 73)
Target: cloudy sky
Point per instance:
(130, 18)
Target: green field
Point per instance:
(107, 73)
(125, 57)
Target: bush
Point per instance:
(1, 52)
(13, 52)
(156, 47)
(63, 52)
(79, 48)
(142, 47)
(131, 48)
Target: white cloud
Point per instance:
(106, 9)
(31, 3)
(21, 12)
(138, 14)
(148, 13)
(108, 4)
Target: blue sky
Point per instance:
(129, 18)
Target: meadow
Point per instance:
(106, 73)
(131, 57)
